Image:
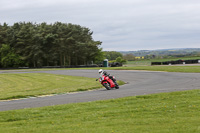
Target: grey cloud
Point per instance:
(120, 25)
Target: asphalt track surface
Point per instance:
(138, 83)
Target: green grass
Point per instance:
(35, 84)
(146, 62)
(185, 69)
(176, 112)
(24, 85)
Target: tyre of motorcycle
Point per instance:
(116, 85)
(107, 86)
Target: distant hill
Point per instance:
(178, 51)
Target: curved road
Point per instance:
(138, 83)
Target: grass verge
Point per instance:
(176, 112)
(187, 69)
(24, 85)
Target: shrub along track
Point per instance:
(138, 83)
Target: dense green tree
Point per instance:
(120, 60)
(51, 44)
(3, 33)
(8, 57)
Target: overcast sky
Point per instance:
(127, 25)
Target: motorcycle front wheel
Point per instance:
(107, 86)
(117, 87)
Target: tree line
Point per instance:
(30, 44)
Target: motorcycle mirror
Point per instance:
(96, 79)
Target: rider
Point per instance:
(101, 73)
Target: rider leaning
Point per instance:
(101, 73)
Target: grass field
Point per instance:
(35, 84)
(146, 62)
(23, 85)
(186, 69)
(176, 112)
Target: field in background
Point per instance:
(148, 62)
(165, 68)
(185, 69)
(176, 112)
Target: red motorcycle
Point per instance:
(108, 82)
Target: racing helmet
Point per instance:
(100, 71)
